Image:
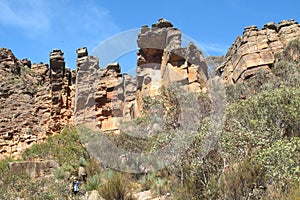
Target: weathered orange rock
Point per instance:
(162, 61)
(35, 101)
(256, 50)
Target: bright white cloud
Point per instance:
(28, 15)
(66, 18)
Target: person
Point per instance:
(82, 175)
(75, 187)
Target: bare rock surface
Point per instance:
(35, 169)
(256, 50)
(161, 60)
(35, 101)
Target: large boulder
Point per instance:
(35, 169)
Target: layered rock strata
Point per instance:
(161, 61)
(35, 101)
(103, 95)
(60, 83)
(35, 169)
(256, 50)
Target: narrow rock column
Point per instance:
(86, 82)
(60, 82)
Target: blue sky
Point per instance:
(32, 28)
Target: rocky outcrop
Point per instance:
(86, 76)
(148, 195)
(35, 101)
(106, 96)
(93, 195)
(130, 109)
(9, 63)
(34, 169)
(110, 97)
(162, 61)
(256, 50)
(103, 95)
(60, 82)
(24, 103)
(39, 100)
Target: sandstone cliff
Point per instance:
(104, 96)
(35, 101)
(161, 61)
(256, 50)
(38, 100)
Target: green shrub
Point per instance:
(155, 183)
(281, 161)
(22, 186)
(259, 121)
(115, 187)
(66, 148)
(287, 73)
(60, 173)
(243, 180)
(4, 166)
(292, 51)
(93, 183)
(160, 186)
(82, 162)
(93, 167)
(293, 192)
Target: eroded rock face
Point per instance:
(60, 82)
(162, 61)
(103, 95)
(38, 100)
(86, 76)
(130, 109)
(24, 104)
(109, 97)
(35, 101)
(256, 49)
(9, 63)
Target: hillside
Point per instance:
(172, 132)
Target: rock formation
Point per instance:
(21, 118)
(86, 74)
(37, 100)
(256, 50)
(109, 97)
(103, 95)
(36, 169)
(162, 61)
(60, 82)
